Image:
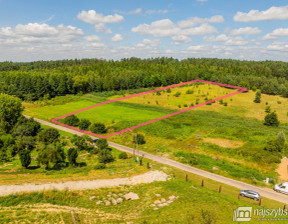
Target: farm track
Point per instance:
(148, 177)
(264, 192)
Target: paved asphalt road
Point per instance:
(265, 192)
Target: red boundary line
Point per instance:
(240, 90)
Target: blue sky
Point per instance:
(238, 29)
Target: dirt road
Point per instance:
(148, 177)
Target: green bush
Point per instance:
(254, 88)
(102, 144)
(71, 120)
(98, 128)
(177, 94)
(257, 97)
(25, 158)
(192, 159)
(72, 156)
(139, 139)
(123, 155)
(48, 136)
(84, 124)
(271, 120)
(100, 166)
(105, 156)
(189, 91)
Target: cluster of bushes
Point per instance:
(277, 144)
(231, 168)
(223, 103)
(85, 124)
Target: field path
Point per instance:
(264, 192)
(148, 177)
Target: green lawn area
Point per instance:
(116, 112)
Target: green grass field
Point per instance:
(241, 120)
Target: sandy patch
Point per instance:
(225, 143)
(282, 169)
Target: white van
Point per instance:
(282, 188)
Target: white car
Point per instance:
(282, 188)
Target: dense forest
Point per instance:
(44, 79)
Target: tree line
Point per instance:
(45, 79)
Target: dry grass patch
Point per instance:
(282, 169)
(225, 143)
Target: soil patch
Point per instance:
(282, 169)
(225, 143)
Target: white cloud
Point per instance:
(101, 28)
(36, 33)
(93, 17)
(135, 11)
(196, 48)
(35, 29)
(219, 38)
(160, 28)
(48, 19)
(235, 41)
(278, 46)
(245, 31)
(92, 38)
(153, 43)
(166, 28)
(181, 39)
(197, 20)
(273, 13)
(200, 30)
(202, 0)
(280, 32)
(153, 11)
(96, 45)
(117, 38)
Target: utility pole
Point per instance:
(136, 142)
(134, 146)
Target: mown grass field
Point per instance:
(241, 121)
